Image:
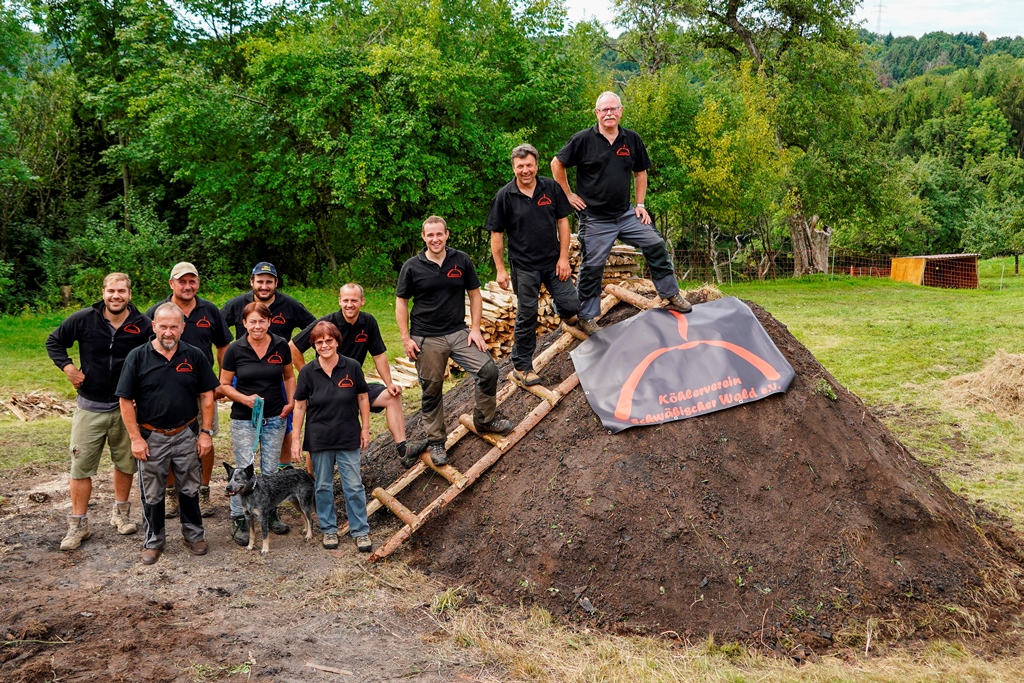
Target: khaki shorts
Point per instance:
(89, 432)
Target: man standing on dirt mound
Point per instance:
(360, 334)
(205, 329)
(286, 315)
(160, 388)
(439, 278)
(606, 157)
(533, 211)
(106, 332)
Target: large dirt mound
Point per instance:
(796, 517)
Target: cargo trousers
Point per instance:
(431, 363)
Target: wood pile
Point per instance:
(622, 268)
(35, 404)
(403, 373)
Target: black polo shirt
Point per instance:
(165, 391)
(260, 376)
(204, 327)
(604, 171)
(286, 314)
(357, 339)
(332, 405)
(531, 223)
(439, 292)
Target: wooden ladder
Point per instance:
(460, 481)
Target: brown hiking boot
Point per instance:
(170, 503)
(205, 507)
(676, 302)
(527, 379)
(196, 547)
(119, 519)
(78, 531)
(151, 555)
(588, 326)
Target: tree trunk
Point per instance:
(810, 245)
(1016, 264)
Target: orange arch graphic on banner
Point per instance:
(624, 406)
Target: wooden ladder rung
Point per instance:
(537, 390)
(495, 440)
(391, 503)
(454, 477)
(634, 299)
(575, 332)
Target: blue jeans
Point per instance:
(242, 436)
(351, 487)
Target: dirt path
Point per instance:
(230, 615)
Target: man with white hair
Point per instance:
(607, 156)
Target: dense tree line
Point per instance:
(318, 135)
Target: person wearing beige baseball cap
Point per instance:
(204, 328)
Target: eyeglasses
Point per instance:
(326, 341)
(608, 110)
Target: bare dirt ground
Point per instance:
(98, 613)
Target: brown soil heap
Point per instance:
(796, 517)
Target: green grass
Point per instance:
(893, 344)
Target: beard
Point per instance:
(168, 344)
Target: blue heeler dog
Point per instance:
(262, 494)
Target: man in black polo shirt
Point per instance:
(532, 210)
(286, 316)
(205, 329)
(160, 387)
(438, 279)
(606, 157)
(360, 334)
(106, 332)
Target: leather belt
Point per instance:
(169, 432)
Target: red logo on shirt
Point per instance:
(278, 320)
(275, 358)
(362, 337)
(455, 272)
(622, 151)
(544, 200)
(204, 323)
(184, 366)
(132, 329)
(346, 382)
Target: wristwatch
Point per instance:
(639, 206)
(207, 431)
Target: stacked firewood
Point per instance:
(499, 306)
(403, 373)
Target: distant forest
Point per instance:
(136, 133)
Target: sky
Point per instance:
(899, 17)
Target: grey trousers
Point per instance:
(597, 237)
(431, 363)
(176, 453)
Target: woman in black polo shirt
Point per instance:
(333, 400)
(256, 364)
